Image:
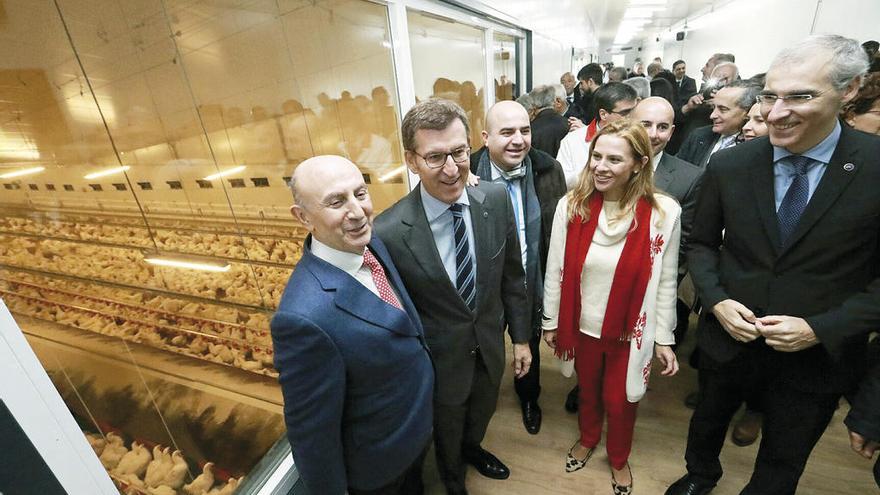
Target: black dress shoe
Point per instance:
(571, 402)
(487, 464)
(531, 414)
(690, 485)
(691, 400)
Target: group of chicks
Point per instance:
(243, 283)
(281, 246)
(250, 351)
(161, 472)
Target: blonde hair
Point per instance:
(640, 183)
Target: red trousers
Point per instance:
(601, 370)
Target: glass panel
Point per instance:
(448, 62)
(504, 55)
(165, 131)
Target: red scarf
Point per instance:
(592, 129)
(627, 289)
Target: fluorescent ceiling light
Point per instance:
(224, 173)
(24, 171)
(647, 2)
(109, 171)
(188, 264)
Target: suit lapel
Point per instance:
(761, 173)
(664, 172)
(481, 218)
(833, 182)
(419, 240)
(711, 140)
(353, 298)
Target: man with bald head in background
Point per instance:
(534, 181)
(344, 330)
(673, 176)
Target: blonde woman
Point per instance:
(610, 289)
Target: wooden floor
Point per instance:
(537, 461)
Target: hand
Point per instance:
(667, 357)
(864, 448)
(550, 338)
(737, 320)
(692, 103)
(473, 180)
(575, 123)
(786, 333)
(522, 359)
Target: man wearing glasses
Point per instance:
(612, 101)
(784, 253)
(458, 252)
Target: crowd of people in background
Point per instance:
(576, 221)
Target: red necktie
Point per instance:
(380, 279)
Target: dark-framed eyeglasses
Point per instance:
(437, 159)
(769, 99)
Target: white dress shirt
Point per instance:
(350, 263)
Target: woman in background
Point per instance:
(863, 112)
(610, 290)
(755, 125)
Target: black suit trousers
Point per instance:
(528, 387)
(794, 421)
(408, 483)
(459, 426)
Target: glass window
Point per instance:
(506, 69)
(191, 114)
(448, 62)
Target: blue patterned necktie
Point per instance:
(796, 198)
(464, 266)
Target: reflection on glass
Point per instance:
(448, 62)
(167, 130)
(504, 55)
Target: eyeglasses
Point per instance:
(438, 159)
(768, 100)
(623, 113)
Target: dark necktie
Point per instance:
(795, 200)
(386, 293)
(464, 265)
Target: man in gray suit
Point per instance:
(458, 252)
(672, 175)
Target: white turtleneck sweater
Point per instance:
(598, 271)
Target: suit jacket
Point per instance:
(687, 89)
(826, 273)
(548, 129)
(681, 180)
(698, 145)
(355, 374)
(455, 334)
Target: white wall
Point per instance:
(755, 30)
(550, 59)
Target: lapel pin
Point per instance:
(485, 214)
(849, 167)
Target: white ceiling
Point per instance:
(593, 24)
